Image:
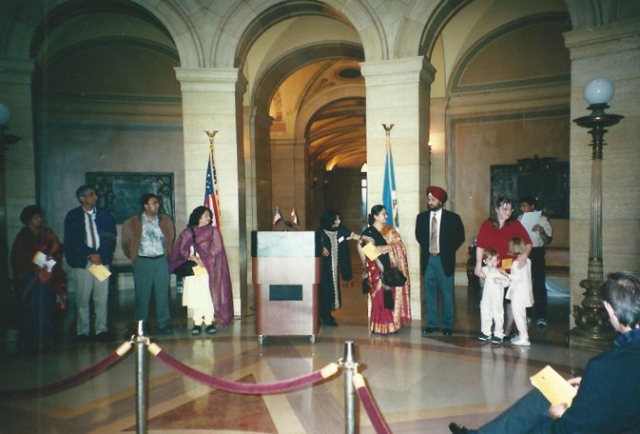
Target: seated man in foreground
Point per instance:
(608, 398)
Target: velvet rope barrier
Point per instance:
(244, 388)
(369, 405)
(72, 380)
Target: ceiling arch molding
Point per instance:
(456, 85)
(438, 19)
(167, 18)
(243, 25)
(268, 82)
(410, 32)
(307, 112)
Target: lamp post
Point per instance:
(593, 330)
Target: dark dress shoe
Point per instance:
(102, 337)
(83, 339)
(447, 332)
(457, 429)
(168, 330)
(429, 330)
(330, 321)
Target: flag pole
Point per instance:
(387, 132)
(392, 212)
(214, 181)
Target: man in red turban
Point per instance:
(440, 234)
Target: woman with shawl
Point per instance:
(37, 286)
(204, 293)
(336, 263)
(392, 254)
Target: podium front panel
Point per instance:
(286, 295)
(286, 274)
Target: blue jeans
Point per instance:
(435, 281)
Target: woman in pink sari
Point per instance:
(388, 244)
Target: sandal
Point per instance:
(196, 330)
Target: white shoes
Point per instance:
(521, 342)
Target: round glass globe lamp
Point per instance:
(598, 91)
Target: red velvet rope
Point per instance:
(235, 387)
(370, 406)
(67, 382)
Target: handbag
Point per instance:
(389, 302)
(393, 277)
(186, 268)
(365, 286)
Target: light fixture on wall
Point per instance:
(593, 330)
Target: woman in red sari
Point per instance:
(37, 286)
(388, 244)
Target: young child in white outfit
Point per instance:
(491, 305)
(520, 292)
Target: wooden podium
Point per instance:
(286, 274)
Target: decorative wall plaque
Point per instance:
(120, 192)
(550, 185)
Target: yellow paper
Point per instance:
(199, 271)
(100, 272)
(506, 263)
(555, 388)
(369, 250)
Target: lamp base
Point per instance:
(591, 340)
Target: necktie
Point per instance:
(92, 230)
(433, 239)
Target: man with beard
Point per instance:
(440, 234)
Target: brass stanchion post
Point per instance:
(350, 365)
(141, 379)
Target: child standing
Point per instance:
(491, 305)
(520, 293)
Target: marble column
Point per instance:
(398, 92)
(611, 51)
(19, 168)
(210, 102)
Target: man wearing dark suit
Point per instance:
(608, 395)
(440, 234)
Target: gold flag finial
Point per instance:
(387, 130)
(211, 135)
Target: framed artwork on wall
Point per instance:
(120, 192)
(549, 184)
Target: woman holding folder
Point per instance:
(381, 248)
(37, 285)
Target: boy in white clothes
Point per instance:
(520, 293)
(491, 305)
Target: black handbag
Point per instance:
(365, 286)
(393, 277)
(389, 302)
(186, 268)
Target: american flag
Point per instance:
(277, 216)
(211, 191)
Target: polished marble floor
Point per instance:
(419, 384)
